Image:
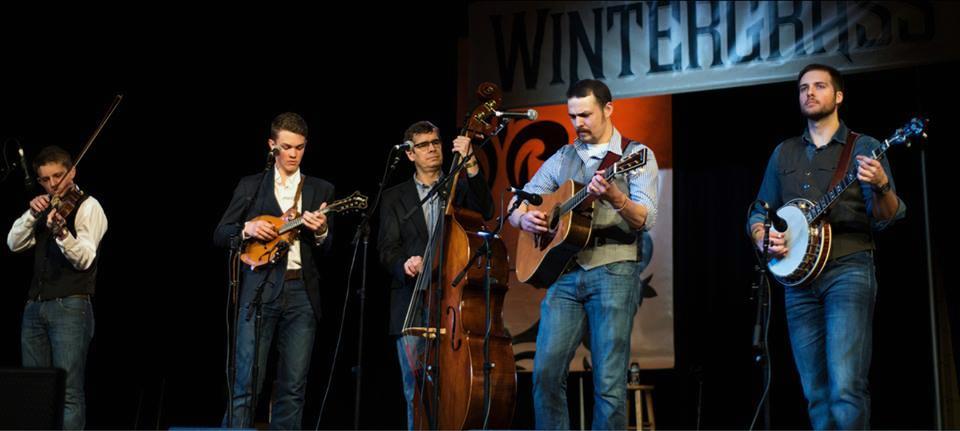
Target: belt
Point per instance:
(42, 299)
(293, 274)
(599, 241)
(611, 235)
(570, 266)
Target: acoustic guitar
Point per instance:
(542, 256)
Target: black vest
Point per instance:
(53, 275)
(801, 177)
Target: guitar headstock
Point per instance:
(916, 127)
(354, 202)
(634, 161)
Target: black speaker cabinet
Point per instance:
(31, 398)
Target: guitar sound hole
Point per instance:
(554, 220)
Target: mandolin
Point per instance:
(257, 253)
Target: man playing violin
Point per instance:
(402, 242)
(58, 318)
(290, 287)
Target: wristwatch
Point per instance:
(882, 189)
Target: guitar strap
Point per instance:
(613, 157)
(292, 212)
(844, 162)
(608, 161)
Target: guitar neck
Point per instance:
(297, 222)
(582, 195)
(833, 195)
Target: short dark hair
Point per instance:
(835, 77)
(418, 128)
(586, 87)
(289, 121)
(52, 154)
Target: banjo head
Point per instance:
(797, 240)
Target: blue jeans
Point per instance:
(57, 333)
(831, 329)
(290, 316)
(605, 298)
(408, 349)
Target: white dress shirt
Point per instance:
(80, 250)
(285, 192)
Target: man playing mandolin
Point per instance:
(291, 286)
(58, 318)
(830, 318)
(601, 287)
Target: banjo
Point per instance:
(808, 232)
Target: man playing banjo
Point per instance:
(830, 316)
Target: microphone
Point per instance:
(530, 114)
(406, 145)
(532, 198)
(778, 222)
(27, 180)
(271, 158)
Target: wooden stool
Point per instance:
(644, 421)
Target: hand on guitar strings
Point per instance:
(534, 221)
(316, 221)
(778, 241)
(604, 189)
(871, 171)
(260, 229)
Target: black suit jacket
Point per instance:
(399, 240)
(315, 191)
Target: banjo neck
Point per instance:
(832, 195)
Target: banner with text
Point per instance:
(535, 50)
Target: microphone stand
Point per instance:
(487, 252)
(234, 268)
(363, 234)
(931, 293)
(761, 290)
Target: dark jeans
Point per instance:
(57, 333)
(831, 329)
(409, 349)
(605, 298)
(291, 318)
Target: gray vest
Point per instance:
(619, 242)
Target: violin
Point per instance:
(65, 202)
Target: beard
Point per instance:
(823, 112)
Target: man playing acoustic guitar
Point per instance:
(601, 287)
(830, 318)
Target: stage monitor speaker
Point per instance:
(31, 398)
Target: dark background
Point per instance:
(200, 90)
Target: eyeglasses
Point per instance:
(423, 145)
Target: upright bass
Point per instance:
(448, 313)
